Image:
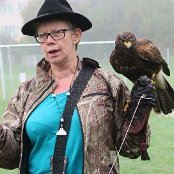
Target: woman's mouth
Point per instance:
(53, 53)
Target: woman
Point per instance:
(100, 125)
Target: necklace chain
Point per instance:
(61, 130)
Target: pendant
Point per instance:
(61, 131)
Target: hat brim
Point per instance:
(79, 20)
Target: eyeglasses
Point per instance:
(56, 35)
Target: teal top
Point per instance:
(42, 126)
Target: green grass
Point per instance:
(160, 151)
(3, 171)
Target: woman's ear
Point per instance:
(77, 35)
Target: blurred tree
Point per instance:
(152, 20)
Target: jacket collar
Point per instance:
(42, 69)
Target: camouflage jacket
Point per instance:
(101, 110)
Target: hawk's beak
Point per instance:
(128, 44)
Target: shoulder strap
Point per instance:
(88, 67)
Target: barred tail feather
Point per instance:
(164, 95)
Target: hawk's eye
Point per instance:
(122, 38)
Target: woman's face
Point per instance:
(63, 49)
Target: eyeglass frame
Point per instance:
(52, 34)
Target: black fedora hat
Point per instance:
(56, 9)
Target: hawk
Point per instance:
(134, 57)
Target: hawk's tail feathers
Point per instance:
(164, 96)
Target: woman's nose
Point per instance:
(50, 39)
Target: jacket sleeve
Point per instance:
(127, 144)
(10, 133)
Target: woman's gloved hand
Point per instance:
(143, 88)
(141, 103)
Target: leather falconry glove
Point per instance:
(140, 106)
